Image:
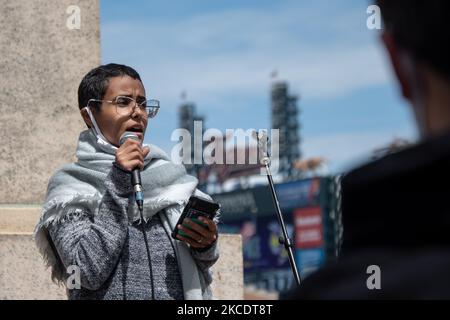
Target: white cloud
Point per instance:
(321, 51)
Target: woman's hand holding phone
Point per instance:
(196, 226)
(198, 235)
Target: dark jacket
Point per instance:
(396, 215)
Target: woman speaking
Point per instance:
(90, 222)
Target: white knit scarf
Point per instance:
(79, 187)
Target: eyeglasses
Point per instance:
(125, 105)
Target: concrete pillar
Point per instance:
(43, 57)
(23, 274)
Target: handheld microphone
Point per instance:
(135, 174)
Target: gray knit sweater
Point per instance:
(111, 254)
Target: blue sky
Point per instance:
(221, 52)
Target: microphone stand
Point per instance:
(284, 240)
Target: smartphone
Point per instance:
(194, 209)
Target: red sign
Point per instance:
(308, 228)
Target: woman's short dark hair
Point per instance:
(95, 82)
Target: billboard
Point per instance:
(305, 206)
(298, 194)
(261, 247)
(308, 227)
(309, 260)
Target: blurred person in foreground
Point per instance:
(396, 210)
(90, 221)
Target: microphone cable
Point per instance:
(139, 197)
(148, 253)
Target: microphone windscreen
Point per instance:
(128, 135)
